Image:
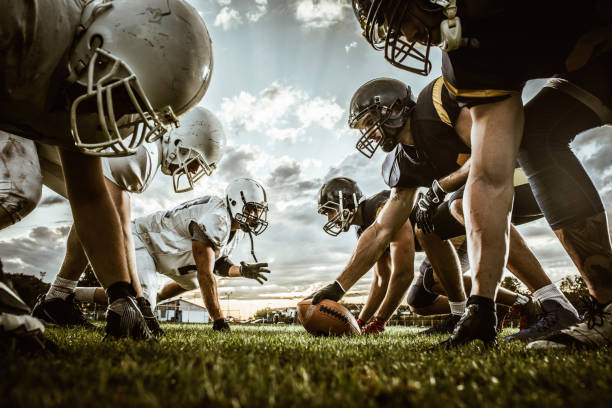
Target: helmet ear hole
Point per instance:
(233, 203)
(96, 41)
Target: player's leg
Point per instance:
(20, 178)
(378, 289)
(58, 306)
(99, 230)
(564, 191)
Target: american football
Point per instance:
(327, 318)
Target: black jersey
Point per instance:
(438, 150)
(512, 42)
(370, 207)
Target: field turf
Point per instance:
(257, 366)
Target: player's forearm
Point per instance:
(456, 179)
(377, 237)
(208, 288)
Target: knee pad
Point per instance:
(418, 297)
(427, 273)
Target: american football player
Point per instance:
(193, 241)
(489, 51)
(341, 200)
(98, 78)
(427, 144)
(187, 153)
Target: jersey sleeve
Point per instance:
(210, 223)
(133, 173)
(404, 170)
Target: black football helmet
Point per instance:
(380, 109)
(382, 20)
(340, 195)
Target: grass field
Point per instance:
(283, 366)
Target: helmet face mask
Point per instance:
(382, 28)
(150, 60)
(192, 150)
(380, 109)
(119, 78)
(247, 204)
(339, 196)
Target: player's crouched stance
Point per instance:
(192, 242)
(342, 201)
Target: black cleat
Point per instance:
(446, 326)
(479, 322)
(147, 313)
(124, 319)
(60, 312)
(553, 317)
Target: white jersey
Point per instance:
(168, 236)
(134, 173)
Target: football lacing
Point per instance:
(334, 313)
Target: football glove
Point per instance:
(427, 204)
(221, 325)
(254, 271)
(333, 291)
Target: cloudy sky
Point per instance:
(284, 73)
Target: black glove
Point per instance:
(221, 325)
(254, 271)
(332, 291)
(427, 204)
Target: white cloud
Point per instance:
(283, 113)
(228, 18)
(325, 112)
(261, 7)
(348, 47)
(224, 2)
(320, 13)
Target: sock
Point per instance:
(119, 290)
(520, 300)
(457, 308)
(83, 294)
(61, 288)
(552, 292)
(482, 301)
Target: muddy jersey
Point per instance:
(370, 207)
(168, 235)
(513, 41)
(438, 150)
(134, 173)
(35, 40)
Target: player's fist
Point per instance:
(333, 291)
(221, 325)
(254, 271)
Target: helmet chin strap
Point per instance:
(450, 28)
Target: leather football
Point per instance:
(328, 318)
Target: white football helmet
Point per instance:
(192, 150)
(138, 64)
(248, 205)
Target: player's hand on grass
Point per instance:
(254, 271)
(333, 291)
(427, 204)
(221, 325)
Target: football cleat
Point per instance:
(377, 326)
(553, 317)
(221, 325)
(594, 331)
(147, 313)
(361, 324)
(479, 322)
(124, 319)
(60, 312)
(446, 326)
